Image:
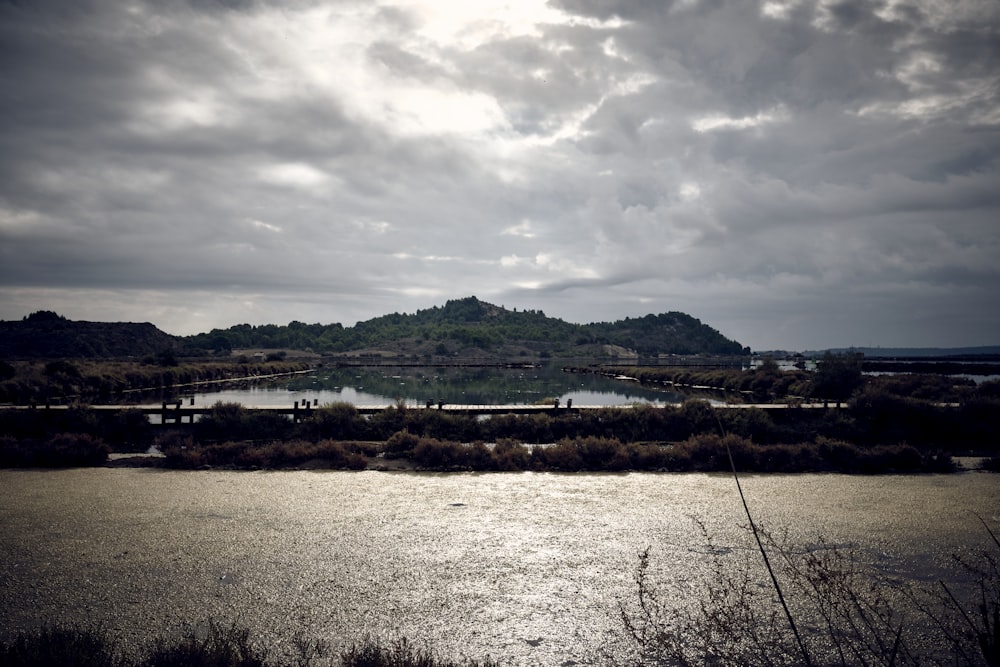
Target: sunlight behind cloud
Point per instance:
(590, 151)
(470, 24)
(422, 110)
(293, 174)
(778, 9)
(264, 226)
(689, 191)
(522, 229)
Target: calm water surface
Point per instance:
(457, 386)
(528, 568)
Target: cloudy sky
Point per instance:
(796, 174)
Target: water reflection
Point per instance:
(456, 386)
(528, 568)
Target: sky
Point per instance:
(797, 175)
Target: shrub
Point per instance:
(401, 443)
(389, 421)
(479, 457)
(74, 449)
(224, 421)
(750, 423)
(564, 456)
(602, 453)
(340, 455)
(64, 450)
(59, 367)
(537, 428)
(510, 455)
(336, 420)
(837, 376)
(433, 453)
(265, 426)
(648, 456)
(443, 425)
(704, 452)
(179, 450)
(700, 416)
(126, 429)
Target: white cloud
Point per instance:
(523, 229)
(763, 166)
(777, 9)
(293, 174)
(710, 122)
(690, 191)
(266, 226)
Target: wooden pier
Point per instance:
(179, 413)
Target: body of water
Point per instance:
(416, 386)
(527, 568)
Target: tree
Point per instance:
(837, 376)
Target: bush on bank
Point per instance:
(63, 450)
(184, 452)
(703, 453)
(878, 432)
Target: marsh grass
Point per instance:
(400, 653)
(69, 646)
(848, 612)
(218, 645)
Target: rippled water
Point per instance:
(528, 568)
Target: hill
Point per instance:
(463, 327)
(471, 326)
(45, 334)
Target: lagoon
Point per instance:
(528, 568)
(416, 386)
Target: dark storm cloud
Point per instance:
(797, 174)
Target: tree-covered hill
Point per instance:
(468, 325)
(669, 333)
(45, 334)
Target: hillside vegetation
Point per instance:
(46, 334)
(465, 327)
(469, 325)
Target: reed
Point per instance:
(219, 645)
